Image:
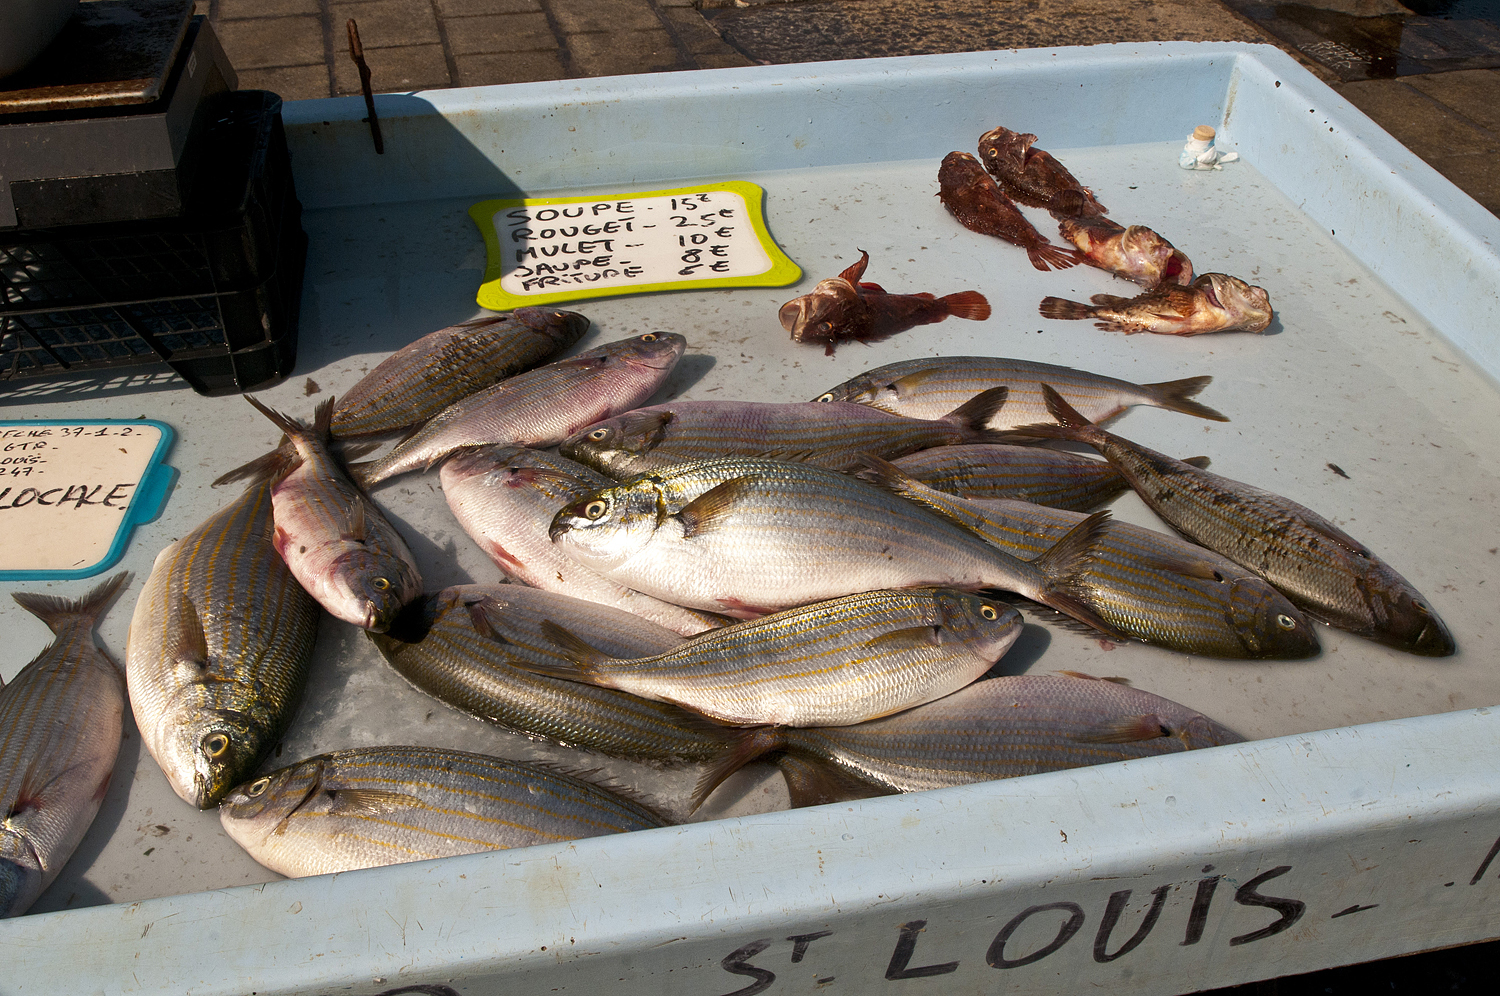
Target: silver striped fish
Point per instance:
(929, 387)
(1001, 727)
(1323, 569)
(1148, 585)
(422, 378)
(831, 436)
(746, 536)
(59, 733)
(379, 806)
(1055, 478)
(464, 646)
(505, 498)
(219, 648)
(541, 407)
(829, 664)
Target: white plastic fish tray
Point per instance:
(1360, 823)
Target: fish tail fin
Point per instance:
(366, 473)
(271, 466)
(1063, 565)
(285, 423)
(967, 304)
(974, 415)
(58, 612)
(1177, 395)
(811, 782)
(745, 746)
(1048, 256)
(1063, 309)
(322, 425)
(588, 660)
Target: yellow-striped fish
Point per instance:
(385, 805)
(59, 734)
(219, 649)
(1055, 478)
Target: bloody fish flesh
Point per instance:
(1135, 253)
(1215, 302)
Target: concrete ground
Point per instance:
(299, 49)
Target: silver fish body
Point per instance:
(832, 436)
(422, 378)
(1001, 727)
(1149, 586)
(379, 806)
(219, 648)
(833, 663)
(930, 387)
(504, 497)
(465, 644)
(541, 407)
(1322, 569)
(746, 536)
(59, 733)
(1056, 478)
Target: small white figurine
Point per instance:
(1199, 152)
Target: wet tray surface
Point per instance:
(1351, 375)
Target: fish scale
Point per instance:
(219, 645)
(385, 805)
(1055, 478)
(60, 721)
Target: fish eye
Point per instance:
(992, 151)
(599, 434)
(595, 509)
(988, 611)
(1285, 621)
(381, 584)
(215, 745)
(649, 337)
(827, 397)
(257, 787)
(825, 326)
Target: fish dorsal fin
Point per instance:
(1201, 462)
(1126, 730)
(910, 638)
(856, 270)
(710, 508)
(978, 410)
(356, 528)
(865, 287)
(185, 641)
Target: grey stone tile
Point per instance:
(499, 33)
(470, 8)
(619, 53)
(513, 67)
(279, 41)
(1414, 119)
(387, 23)
(729, 59)
(395, 70)
(1474, 93)
(290, 82)
(1477, 175)
(604, 15)
(694, 32)
(233, 10)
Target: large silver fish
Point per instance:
(541, 407)
(219, 649)
(746, 536)
(421, 379)
(338, 544)
(386, 805)
(933, 386)
(59, 734)
(832, 436)
(466, 645)
(505, 498)
(997, 728)
(1148, 585)
(834, 663)
(1323, 569)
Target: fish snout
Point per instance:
(793, 315)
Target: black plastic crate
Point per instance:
(214, 293)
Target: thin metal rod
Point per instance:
(357, 53)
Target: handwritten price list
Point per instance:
(65, 490)
(543, 251)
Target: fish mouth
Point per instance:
(792, 315)
(1210, 291)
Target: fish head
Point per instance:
(1000, 144)
(1248, 306)
(211, 753)
(368, 587)
(651, 351)
(821, 314)
(563, 327)
(254, 811)
(1403, 619)
(618, 445)
(607, 527)
(987, 625)
(1147, 252)
(20, 875)
(886, 393)
(1267, 625)
(1197, 731)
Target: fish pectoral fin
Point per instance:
(586, 658)
(1201, 462)
(369, 802)
(356, 528)
(484, 623)
(1340, 537)
(1126, 730)
(710, 508)
(644, 423)
(911, 638)
(185, 641)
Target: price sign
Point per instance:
(542, 251)
(70, 492)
